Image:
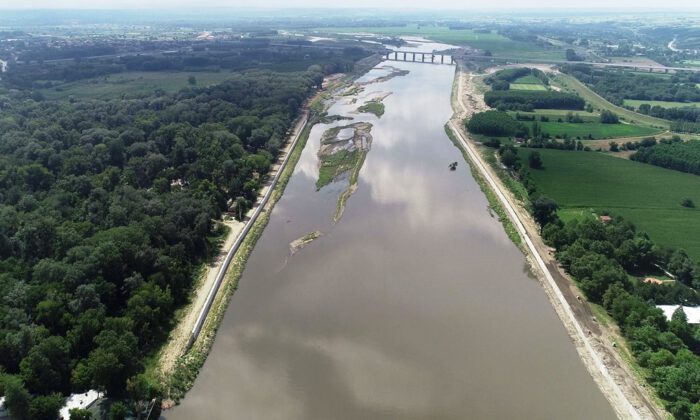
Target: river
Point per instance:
(414, 305)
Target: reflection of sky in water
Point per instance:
(417, 44)
(414, 306)
(345, 133)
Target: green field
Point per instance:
(555, 115)
(132, 84)
(526, 86)
(647, 195)
(497, 44)
(593, 130)
(563, 113)
(571, 84)
(663, 104)
(528, 80)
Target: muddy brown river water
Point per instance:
(415, 305)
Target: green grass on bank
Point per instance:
(132, 84)
(593, 130)
(647, 195)
(498, 44)
(663, 104)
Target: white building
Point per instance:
(84, 400)
(692, 313)
(3, 410)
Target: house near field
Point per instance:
(691, 312)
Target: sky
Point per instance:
(667, 5)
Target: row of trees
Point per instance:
(106, 211)
(618, 85)
(528, 100)
(672, 154)
(495, 123)
(221, 56)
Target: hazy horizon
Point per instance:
(501, 5)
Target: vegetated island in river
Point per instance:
(343, 150)
(373, 107)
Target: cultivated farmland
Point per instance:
(648, 196)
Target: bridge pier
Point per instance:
(432, 58)
(404, 56)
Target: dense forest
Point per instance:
(527, 100)
(678, 155)
(106, 211)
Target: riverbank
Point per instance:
(614, 376)
(182, 356)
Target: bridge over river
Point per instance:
(419, 57)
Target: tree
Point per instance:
(544, 210)
(17, 398)
(46, 407)
(614, 147)
(118, 411)
(609, 117)
(80, 414)
(150, 309)
(509, 159)
(112, 362)
(535, 160)
(47, 366)
(192, 80)
(687, 202)
(679, 326)
(681, 266)
(145, 395)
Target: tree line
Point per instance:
(528, 100)
(672, 154)
(40, 73)
(618, 85)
